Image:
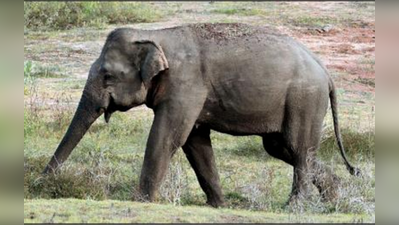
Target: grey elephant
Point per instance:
(232, 78)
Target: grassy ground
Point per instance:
(106, 164)
(78, 211)
(67, 15)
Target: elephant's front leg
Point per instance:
(169, 132)
(199, 152)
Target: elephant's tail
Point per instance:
(333, 98)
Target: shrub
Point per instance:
(67, 15)
(28, 78)
(361, 144)
(70, 182)
(240, 11)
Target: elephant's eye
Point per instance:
(108, 77)
(109, 80)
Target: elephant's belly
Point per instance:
(246, 112)
(249, 123)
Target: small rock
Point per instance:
(325, 29)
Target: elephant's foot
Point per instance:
(297, 202)
(299, 196)
(147, 193)
(143, 198)
(216, 203)
(326, 182)
(300, 187)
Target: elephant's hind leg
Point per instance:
(276, 146)
(307, 168)
(199, 152)
(302, 146)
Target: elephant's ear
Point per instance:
(153, 62)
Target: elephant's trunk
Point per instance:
(87, 112)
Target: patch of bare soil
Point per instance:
(349, 51)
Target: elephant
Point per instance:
(232, 78)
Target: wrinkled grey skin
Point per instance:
(232, 78)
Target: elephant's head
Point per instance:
(118, 80)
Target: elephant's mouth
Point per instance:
(110, 109)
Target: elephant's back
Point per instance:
(243, 52)
(228, 32)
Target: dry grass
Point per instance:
(67, 15)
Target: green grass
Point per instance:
(88, 211)
(67, 15)
(240, 11)
(263, 9)
(356, 144)
(29, 79)
(33, 70)
(313, 21)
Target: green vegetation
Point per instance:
(68, 210)
(240, 11)
(29, 79)
(34, 70)
(313, 21)
(67, 15)
(356, 143)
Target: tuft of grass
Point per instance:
(69, 182)
(366, 81)
(29, 125)
(357, 144)
(236, 199)
(67, 15)
(34, 70)
(29, 80)
(240, 11)
(312, 21)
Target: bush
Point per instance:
(357, 144)
(240, 11)
(70, 182)
(28, 72)
(29, 125)
(67, 15)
